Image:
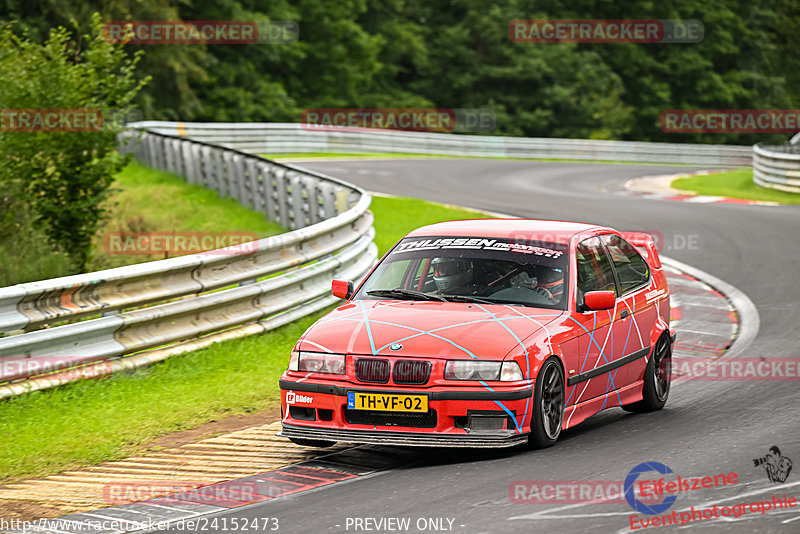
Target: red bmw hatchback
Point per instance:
(485, 333)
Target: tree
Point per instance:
(62, 177)
(457, 53)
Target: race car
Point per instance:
(485, 333)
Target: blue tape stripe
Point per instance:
(527, 364)
(366, 324)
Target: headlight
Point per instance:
(315, 362)
(472, 370)
(475, 370)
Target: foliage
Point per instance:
(147, 200)
(60, 178)
(457, 54)
(26, 254)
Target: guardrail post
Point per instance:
(191, 155)
(281, 196)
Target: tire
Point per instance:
(312, 442)
(657, 374)
(548, 405)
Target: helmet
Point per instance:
(450, 273)
(551, 280)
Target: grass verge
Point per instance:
(90, 422)
(396, 216)
(733, 184)
(141, 200)
(147, 200)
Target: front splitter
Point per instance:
(493, 439)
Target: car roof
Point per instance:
(526, 229)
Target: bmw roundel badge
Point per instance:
(396, 346)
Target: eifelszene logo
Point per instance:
(649, 489)
(630, 496)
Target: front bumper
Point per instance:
(453, 419)
(493, 439)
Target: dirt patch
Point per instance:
(214, 428)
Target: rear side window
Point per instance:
(632, 269)
(594, 268)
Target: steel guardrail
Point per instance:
(777, 166)
(264, 138)
(175, 302)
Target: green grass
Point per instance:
(396, 216)
(289, 156)
(27, 255)
(146, 200)
(141, 200)
(734, 184)
(89, 422)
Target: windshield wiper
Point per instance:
(399, 293)
(466, 298)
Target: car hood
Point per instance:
(426, 329)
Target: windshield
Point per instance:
(472, 269)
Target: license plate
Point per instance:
(386, 402)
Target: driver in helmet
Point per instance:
(550, 283)
(453, 276)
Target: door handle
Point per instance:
(623, 314)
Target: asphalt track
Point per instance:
(707, 428)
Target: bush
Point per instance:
(60, 178)
(26, 253)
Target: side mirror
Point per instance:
(599, 300)
(342, 289)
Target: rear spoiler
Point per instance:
(646, 245)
